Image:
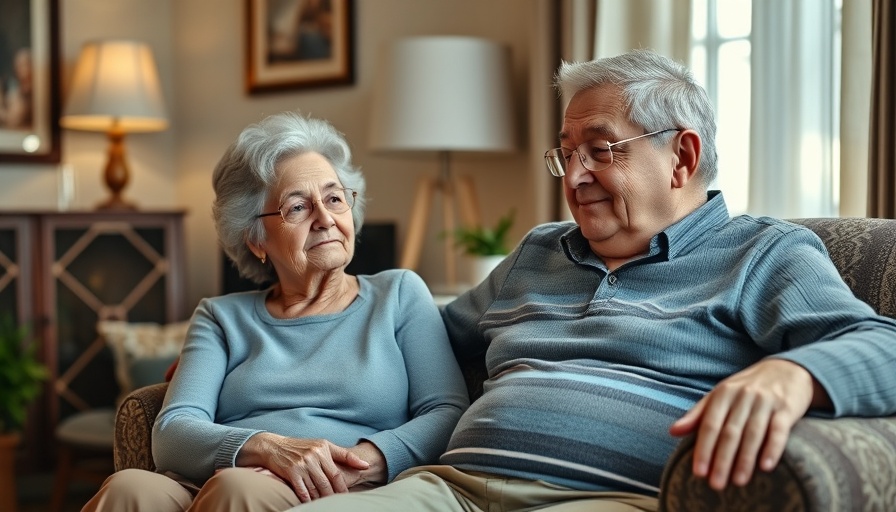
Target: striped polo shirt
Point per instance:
(589, 368)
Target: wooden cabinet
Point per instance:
(61, 272)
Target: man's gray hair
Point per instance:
(246, 174)
(658, 92)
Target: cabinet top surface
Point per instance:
(123, 214)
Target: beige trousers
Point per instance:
(446, 489)
(230, 490)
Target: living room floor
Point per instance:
(34, 491)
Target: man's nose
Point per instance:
(576, 173)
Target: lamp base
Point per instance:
(117, 174)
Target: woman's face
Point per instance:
(324, 241)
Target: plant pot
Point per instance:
(8, 445)
(482, 266)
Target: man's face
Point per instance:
(621, 207)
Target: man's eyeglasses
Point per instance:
(296, 210)
(595, 155)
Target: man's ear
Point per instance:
(687, 147)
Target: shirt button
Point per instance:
(612, 280)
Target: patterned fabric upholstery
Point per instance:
(846, 464)
(132, 446)
(864, 251)
(830, 465)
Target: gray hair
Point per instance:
(658, 92)
(247, 171)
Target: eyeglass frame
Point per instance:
(551, 153)
(353, 195)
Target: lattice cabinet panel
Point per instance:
(15, 268)
(86, 267)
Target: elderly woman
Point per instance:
(323, 383)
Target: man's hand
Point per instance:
(748, 417)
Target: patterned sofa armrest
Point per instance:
(829, 465)
(132, 445)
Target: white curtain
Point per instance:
(662, 25)
(855, 107)
(795, 148)
(793, 121)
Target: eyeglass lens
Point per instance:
(297, 209)
(594, 155)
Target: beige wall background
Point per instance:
(198, 45)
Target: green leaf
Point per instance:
(482, 241)
(21, 374)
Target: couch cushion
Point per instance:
(142, 351)
(864, 252)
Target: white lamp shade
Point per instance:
(115, 86)
(447, 93)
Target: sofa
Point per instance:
(830, 465)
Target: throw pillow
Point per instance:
(142, 351)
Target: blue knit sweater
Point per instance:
(589, 368)
(381, 370)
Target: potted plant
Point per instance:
(21, 375)
(485, 246)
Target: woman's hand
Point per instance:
(376, 473)
(312, 467)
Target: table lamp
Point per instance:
(115, 90)
(443, 94)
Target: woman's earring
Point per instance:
(264, 258)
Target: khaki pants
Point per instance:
(230, 490)
(446, 489)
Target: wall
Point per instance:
(151, 156)
(199, 48)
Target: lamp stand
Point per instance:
(453, 190)
(116, 174)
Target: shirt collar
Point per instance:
(708, 217)
(576, 246)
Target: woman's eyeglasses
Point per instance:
(297, 209)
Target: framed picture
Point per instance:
(29, 81)
(292, 44)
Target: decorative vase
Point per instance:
(482, 266)
(8, 445)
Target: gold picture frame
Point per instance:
(294, 44)
(29, 81)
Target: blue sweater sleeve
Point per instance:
(797, 306)
(186, 439)
(437, 393)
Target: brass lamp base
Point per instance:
(116, 175)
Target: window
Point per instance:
(721, 61)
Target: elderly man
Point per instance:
(653, 316)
